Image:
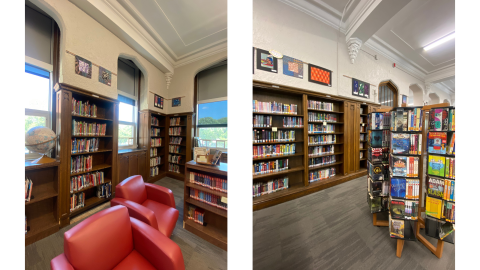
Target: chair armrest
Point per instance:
(137, 211)
(160, 194)
(60, 263)
(158, 249)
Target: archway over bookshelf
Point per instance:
(434, 99)
(388, 94)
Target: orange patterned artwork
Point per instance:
(319, 75)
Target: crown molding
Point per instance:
(361, 11)
(197, 57)
(441, 74)
(315, 12)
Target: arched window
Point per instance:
(387, 94)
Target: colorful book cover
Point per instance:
(376, 172)
(393, 116)
(375, 187)
(399, 166)
(405, 120)
(438, 119)
(435, 187)
(378, 120)
(399, 120)
(397, 228)
(451, 145)
(445, 119)
(376, 138)
(375, 204)
(436, 165)
(400, 143)
(397, 208)
(433, 207)
(451, 119)
(437, 142)
(398, 187)
(431, 121)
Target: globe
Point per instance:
(40, 140)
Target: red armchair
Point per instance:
(110, 239)
(149, 203)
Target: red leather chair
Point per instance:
(149, 203)
(110, 239)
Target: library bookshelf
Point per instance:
(337, 118)
(214, 229)
(152, 138)
(179, 139)
(42, 211)
(103, 160)
(363, 146)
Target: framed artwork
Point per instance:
(404, 99)
(292, 67)
(360, 88)
(83, 67)
(176, 102)
(266, 61)
(158, 101)
(105, 76)
(319, 75)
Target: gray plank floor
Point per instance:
(332, 229)
(197, 253)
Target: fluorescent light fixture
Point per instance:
(440, 41)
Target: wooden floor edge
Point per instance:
(303, 191)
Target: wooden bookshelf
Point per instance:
(104, 160)
(42, 211)
(151, 121)
(214, 229)
(363, 148)
(184, 150)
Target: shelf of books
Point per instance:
(206, 203)
(363, 147)
(179, 144)
(88, 144)
(152, 138)
(406, 167)
(378, 180)
(41, 197)
(440, 179)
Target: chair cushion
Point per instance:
(132, 189)
(166, 216)
(134, 261)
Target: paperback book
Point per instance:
(439, 119)
(435, 187)
(433, 207)
(404, 166)
(263, 188)
(397, 209)
(436, 165)
(398, 187)
(437, 142)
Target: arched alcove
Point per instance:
(434, 99)
(446, 101)
(388, 93)
(415, 95)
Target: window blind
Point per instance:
(126, 78)
(38, 35)
(212, 83)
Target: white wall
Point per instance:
(442, 95)
(295, 34)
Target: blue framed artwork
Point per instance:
(176, 102)
(292, 67)
(360, 88)
(266, 61)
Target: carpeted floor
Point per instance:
(197, 253)
(332, 229)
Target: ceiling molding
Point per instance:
(441, 74)
(361, 11)
(197, 57)
(315, 12)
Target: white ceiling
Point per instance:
(447, 85)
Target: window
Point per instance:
(212, 124)
(127, 125)
(37, 100)
(127, 85)
(387, 95)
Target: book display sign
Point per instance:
(83, 67)
(360, 88)
(158, 101)
(266, 61)
(176, 102)
(105, 76)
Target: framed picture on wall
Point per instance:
(404, 99)
(158, 101)
(360, 88)
(292, 67)
(319, 75)
(266, 61)
(83, 67)
(104, 76)
(176, 102)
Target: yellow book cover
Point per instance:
(434, 207)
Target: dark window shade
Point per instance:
(126, 78)
(212, 83)
(38, 35)
(126, 100)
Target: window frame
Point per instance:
(198, 127)
(134, 111)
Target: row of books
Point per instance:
(153, 152)
(174, 168)
(318, 175)
(437, 143)
(377, 204)
(264, 136)
(377, 121)
(320, 161)
(361, 154)
(86, 180)
(441, 166)
(88, 129)
(320, 105)
(406, 144)
(272, 166)
(196, 214)
(292, 121)
(174, 159)
(155, 121)
(175, 149)
(83, 108)
(322, 117)
(274, 107)
(441, 188)
(320, 150)
(104, 191)
(208, 181)
(155, 161)
(321, 139)
(315, 129)
(405, 188)
(154, 171)
(405, 119)
(176, 140)
(156, 142)
(404, 166)
(378, 188)
(175, 131)
(77, 200)
(404, 209)
(379, 138)
(175, 121)
(262, 121)
(208, 198)
(84, 145)
(81, 164)
(378, 172)
(378, 155)
(263, 188)
(154, 132)
(440, 209)
(262, 151)
(28, 189)
(442, 119)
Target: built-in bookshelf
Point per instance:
(42, 211)
(205, 202)
(88, 147)
(363, 147)
(179, 140)
(152, 138)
